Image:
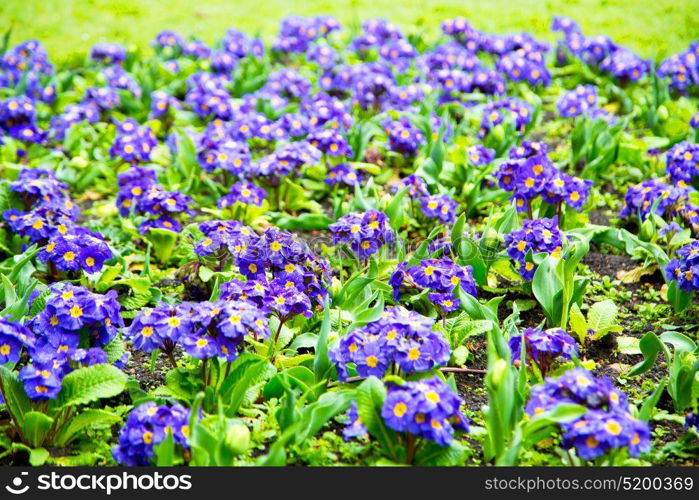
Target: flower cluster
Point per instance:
(683, 162)
(497, 112)
(147, 426)
(297, 33)
(18, 119)
(529, 174)
(654, 195)
(75, 249)
(70, 331)
(400, 337)
(245, 193)
(283, 274)
(365, 233)
(51, 210)
(108, 53)
(684, 268)
(229, 235)
(682, 69)
(354, 428)
(536, 236)
(479, 155)
(140, 194)
(205, 330)
(578, 101)
(608, 423)
(439, 206)
(440, 276)
(343, 173)
(427, 408)
(520, 65)
(133, 143)
(51, 222)
(602, 53)
(330, 142)
(403, 137)
(543, 347)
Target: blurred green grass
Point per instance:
(68, 28)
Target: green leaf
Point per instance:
(38, 457)
(321, 363)
(296, 376)
(601, 318)
(303, 222)
(628, 345)
(578, 323)
(36, 426)
(650, 346)
(240, 380)
(393, 210)
(163, 241)
(678, 341)
(90, 383)
(88, 419)
(647, 409)
(165, 452)
(39, 302)
(16, 398)
(115, 349)
(370, 398)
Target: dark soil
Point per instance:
(139, 367)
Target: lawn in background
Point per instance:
(68, 28)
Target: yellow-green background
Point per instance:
(654, 28)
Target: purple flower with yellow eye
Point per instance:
(536, 236)
(287, 300)
(243, 192)
(683, 162)
(108, 53)
(324, 56)
(441, 277)
(496, 112)
(162, 103)
(147, 426)
(427, 408)
(417, 187)
(103, 99)
(519, 66)
(343, 173)
(544, 347)
(160, 327)
(608, 422)
(330, 142)
(654, 195)
(229, 234)
(479, 155)
(684, 268)
(41, 381)
(400, 337)
(365, 233)
(354, 428)
(572, 191)
(133, 143)
(403, 136)
(578, 101)
(439, 206)
(13, 337)
(446, 301)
